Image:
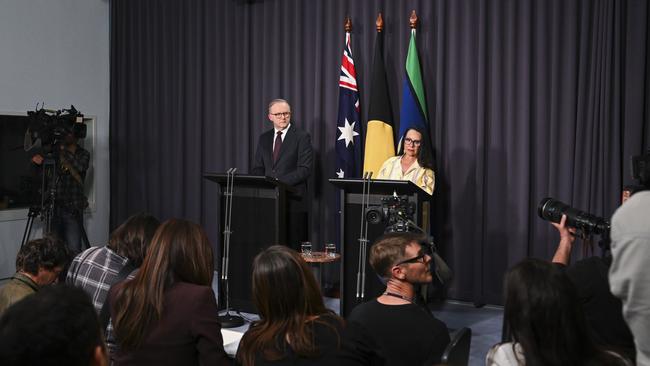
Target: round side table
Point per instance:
(316, 261)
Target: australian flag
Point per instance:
(348, 134)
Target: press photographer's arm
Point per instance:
(563, 253)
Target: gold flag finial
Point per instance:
(413, 20)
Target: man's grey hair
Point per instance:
(276, 101)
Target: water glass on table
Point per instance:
(330, 250)
(305, 248)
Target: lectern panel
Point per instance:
(249, 237)
(374, 287)
(257, 220)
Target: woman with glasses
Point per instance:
(294, 328)
(413, 161)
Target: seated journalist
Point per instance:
(56, 326)
(544, 321)
(167, 314)
(98, 268)
(38, 263)
(295, 327)
(393, 329)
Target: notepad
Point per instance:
(231, 341)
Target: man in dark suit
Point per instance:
(285, 152)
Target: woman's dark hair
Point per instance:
(131, 239)
(425, 157)
(47, 253)
(543, 314)
(179, 251)
(287, 295)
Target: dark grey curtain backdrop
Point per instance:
(527, 99)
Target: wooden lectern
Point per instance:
(350, 225)
(259, 220)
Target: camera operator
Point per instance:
(72, 163)
(629, 273)
(602, 310)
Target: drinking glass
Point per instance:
(330, 249)
(305, 248)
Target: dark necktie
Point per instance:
(278, 145)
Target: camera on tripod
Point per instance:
(395, 212)
(54, 134)
(50, 128)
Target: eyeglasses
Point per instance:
(281, 114)
(419, 259)
(410, 141)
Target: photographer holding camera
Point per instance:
(589, 276)
(71, 163)
(629, 274)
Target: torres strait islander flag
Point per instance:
(348, 140)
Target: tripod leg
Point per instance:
(28, 230)
(85, 243)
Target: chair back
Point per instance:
(457, 352)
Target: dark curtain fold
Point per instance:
(526, 99)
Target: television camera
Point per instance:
(49, 128)
(48, 132)
(396, 212)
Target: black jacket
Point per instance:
(295, 162)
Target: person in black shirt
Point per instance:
(603, 311)
(70, 200)
(393, 329)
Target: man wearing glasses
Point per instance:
(285, 153)
(381, 330)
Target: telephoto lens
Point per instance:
(552, 210)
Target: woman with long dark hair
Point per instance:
(545, 321)
(413, 162)
(167, 314)
(294, 328)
